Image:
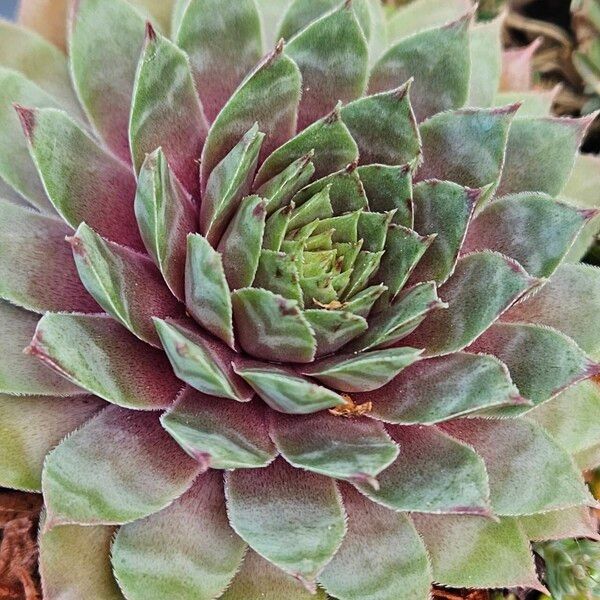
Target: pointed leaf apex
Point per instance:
(366, 479)
(592, 370)
(509, 109)
(465, 20)
(278, 48)
(352, 166)
(27, 116)
(401, 91)
(150, 33)
(309, 584)
(589, 213)
(335, 115)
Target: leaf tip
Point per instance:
(27, 116)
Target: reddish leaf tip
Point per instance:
(365, 478)
(589, 213)
(592, 370)
(509, 109)
(27, 116)
(352, 166)
(150, 32)
(309, 584)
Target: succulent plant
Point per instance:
(315, 329)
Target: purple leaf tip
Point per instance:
(27, 118)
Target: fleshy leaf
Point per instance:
(333, 43)
(303, 502)
(398, 565)
(334, 328)
(466, 146)
(330, 140)
(30, 427)
(529, 227)
(20, 373)
(520, 455)
(127, 285)
(49, 20)
(223, 41)
(269, 96)
(286, 391)
(438, 59)
(165, 216)
(574, 522)
(204, 553)
(444, 209)
(37, 270)
(272, 327)
(106, 32)
(569, 302)
(220, 434)
(517, 67)
(351, 449)
(362, 372)
(482, 287)
(119, 467)
(99, 355)
(206, 292)
(486, 62)
(165, 110)
(242, 241)
(75, 563)
(84, 182)
(540, 154)
(433, 474)
(227, 183)
(278, 272)
(439, 389)
(472, 552)
(201, 361)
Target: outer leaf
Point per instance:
(310, 524)
(204, 553)
(30, 427)
(334, 43)
(220, 434)
(270, 96)
(106, 32)
(438, 59)
(529, 227)
(474, 552)
(284, 390)
(97, 354)
(434, 474)
(165, 215)
(165, 110)
(384, 127)
(355, 449)
(486, 62)
(560, 524)
(466, 146)
(201, 361)
(37, 270)
(439, 389)
(483, 286)
(126, 284)
(119, 467)
(83, 182)
(75, 563)
(398, 565)
(223, 41)
(206, 292)
(334, 328)
(48, 20)
(517, 67)
(272, 327)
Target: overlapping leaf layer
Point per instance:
(305, 324)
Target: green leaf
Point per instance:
(75, 562)
(482, 287)
(286, 391)
(204, 553)
(271, 327)
(165, 110)
(223, 41)
(536, 103)
(106, 32)
(373, 228)
(438, 59)
(398, 565)
(475, 552)
(201, 360)
(220, 434)
(529, 227)
(316, 208)
(30, 426)
(165, 215)
(270, 96)
(333, 43)
(334, 328)
(574, 522)
(520, 455)
(438, 389)
(365, 266)
(159, 11)
(362, 372)
(486, 64)
(119, 467)
(384, 127)
(363, 302)
(330, 140)
(309, 527)
(206, 291)
(278, 273)
(125, 284)
(433, 474)
(100, 356)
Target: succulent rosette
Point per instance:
(301, 317)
